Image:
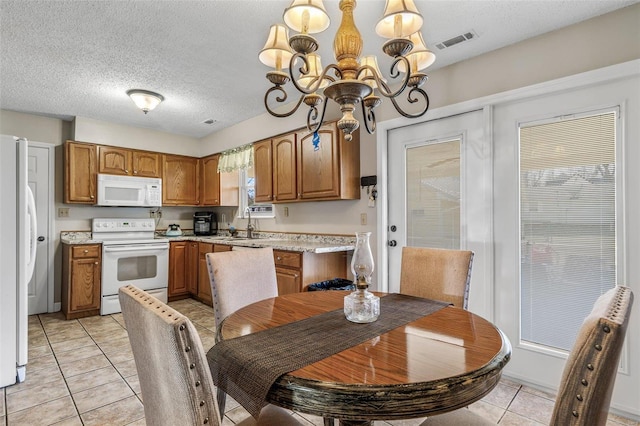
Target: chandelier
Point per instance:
(352, 80)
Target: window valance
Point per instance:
(236, 159)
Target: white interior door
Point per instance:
(38, 163)
(439, 195)
(554, 244)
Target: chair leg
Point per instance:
(328, 421)
(222, 400)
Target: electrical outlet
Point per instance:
(363, 219)
(63, 212)
(286, 211)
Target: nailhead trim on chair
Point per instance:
(613, 315)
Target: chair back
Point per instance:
(175, 379)
(239, 278)
(587, 382)
(438, 274)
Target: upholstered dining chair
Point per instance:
(239, 278)
(589, 374)
(175, 380)
(439, 274)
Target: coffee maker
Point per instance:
(205, 223)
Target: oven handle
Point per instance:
(136, 248)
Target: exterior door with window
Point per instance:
(559, 220)
(439, 195)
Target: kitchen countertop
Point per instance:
(312, 243)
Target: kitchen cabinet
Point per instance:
(330, 168)
(81, 271)
(284, 168)
(127, 162)
(218, 189)
(191, 267)
(263, 171)
(302, 170)
(180, 180)
(295, 271)
(204, 285)
(80, 172)
(178, 287)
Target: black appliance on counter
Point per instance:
(205, 223)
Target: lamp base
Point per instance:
(362, 306)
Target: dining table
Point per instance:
(407, 364)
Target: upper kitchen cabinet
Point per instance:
(263, 169)
(180, 180)
(122, 161)
(80, 173)
(284, 168)
(329, 166)
(147, 164)
(217, 189)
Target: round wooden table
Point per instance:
(438, 363)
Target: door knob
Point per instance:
(40, 238)
(393, 243)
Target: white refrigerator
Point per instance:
(17, 257)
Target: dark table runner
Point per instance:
(247, 366)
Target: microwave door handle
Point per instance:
(136, 248)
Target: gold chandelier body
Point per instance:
(356, 78)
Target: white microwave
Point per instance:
(129, 191)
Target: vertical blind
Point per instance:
(568, 224)
(433, 195)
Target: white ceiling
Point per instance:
(71, 58)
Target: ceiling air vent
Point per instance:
(457, 40)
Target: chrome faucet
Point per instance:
(250, 227)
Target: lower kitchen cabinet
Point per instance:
(204, 286)
(295, 271)
(81, 266)
(180, 273)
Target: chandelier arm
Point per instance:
(369, 119)
(413, 99)
(383, 87)
(280, 99)
(312, 115)
(318, 81)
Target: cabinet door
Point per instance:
(318, 165)
(146, 164)
(191, 268)
(180, 185)
(85, 284)
(210, 181)
(80, 173)
(263, 171)
(114, 161)
(177, 269)
(284, 168)
(204, 286)
(289, 281)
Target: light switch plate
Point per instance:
(363, 219)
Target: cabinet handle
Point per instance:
(135, 172)
(279, 258)
(86, 251)
(96, 263)
(295, 275)
(92, 197)
(126, 171)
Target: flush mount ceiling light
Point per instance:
(144, 99)
(356, 79)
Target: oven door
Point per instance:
(144, 265)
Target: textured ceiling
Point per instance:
(78, 58)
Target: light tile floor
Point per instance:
(82, 372)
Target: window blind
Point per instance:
(568, 224)
(433, 195)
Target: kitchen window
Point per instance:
(247, 197)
